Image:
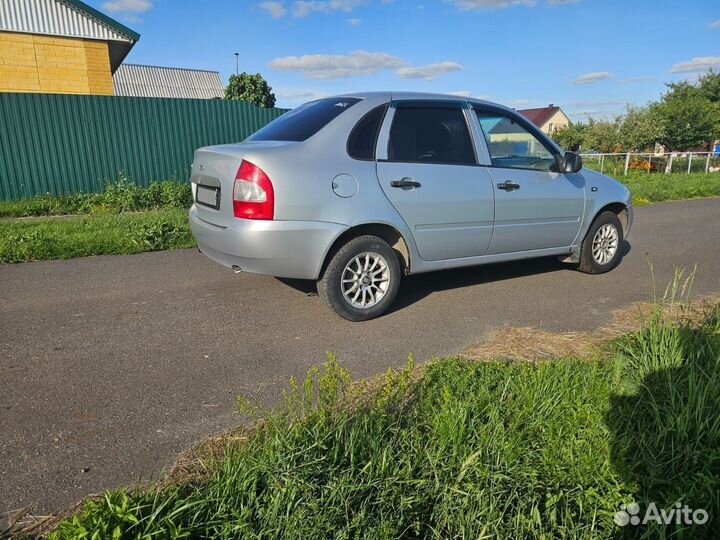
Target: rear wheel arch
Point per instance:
(388, 233)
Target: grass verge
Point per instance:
(648, 188)
(104, 234)
(120, 196)
(461, 449)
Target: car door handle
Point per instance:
(405, 182)
(508, 185)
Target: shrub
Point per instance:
(120, 196)
(96, 234)
(158, 235)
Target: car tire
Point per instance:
(601, 249)
(361, 279)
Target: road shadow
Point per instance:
(415, 288)
(304, 286)
(665, 432)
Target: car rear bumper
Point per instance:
(289, 249)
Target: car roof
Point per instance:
(399, 95)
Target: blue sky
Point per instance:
(588, 56)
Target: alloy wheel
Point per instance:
(365, 280)
(605, 243)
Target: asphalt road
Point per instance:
(110, 366)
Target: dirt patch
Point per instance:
(529, 344)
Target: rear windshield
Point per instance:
(304, 121)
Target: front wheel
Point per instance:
(361, 279)
(601, 250)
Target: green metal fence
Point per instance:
(63, 144)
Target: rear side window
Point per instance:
(304, 121)
(363, 138)
(430, 134)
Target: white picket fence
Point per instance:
(687, 162)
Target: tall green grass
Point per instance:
(103, 234)
(124, 219)
(647, 188)
(466, 450)
(120, 196)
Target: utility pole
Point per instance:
(237, 63)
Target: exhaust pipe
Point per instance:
(236, 269)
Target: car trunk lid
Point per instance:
(213, 176)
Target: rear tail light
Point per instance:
(253, 193)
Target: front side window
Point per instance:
(430, 134)
(304, 121)
(512, 146)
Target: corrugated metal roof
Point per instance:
(59, 18)
(152, 81)
(67, 18)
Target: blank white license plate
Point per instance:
(208, 196)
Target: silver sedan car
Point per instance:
(356, 191)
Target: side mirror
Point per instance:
(570, 163)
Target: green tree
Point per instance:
(251, 88)
(686, 117)
(571, 137)
(603, 136)
(639, 129)
(709, 86)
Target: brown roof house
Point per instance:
(548, 119)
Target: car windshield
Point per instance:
(304, 121)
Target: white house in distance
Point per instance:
(548, 119)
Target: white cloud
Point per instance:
(519, 103)
(478, 5)
(335, 66)
(359, 63)
(292, 97)
(596, 76)
(594, 114)
(715, 25)
(700, 63)
(607, 103)
(128, 6)
(303, 8)
(429, 72)
(295, 94)
(632, 80)
(354, 22)
(461, 93)
(276, 10)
